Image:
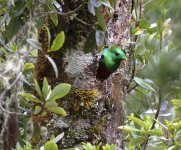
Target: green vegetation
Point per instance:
(155, 91)
(153, 101)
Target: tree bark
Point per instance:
(119, 34)
(94, 108)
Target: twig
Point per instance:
(61, 13)
(4, 92)
(83, 21)
(129, 90)
(155, 118)
(17, 78)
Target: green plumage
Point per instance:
(110, 61)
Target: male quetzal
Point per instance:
(110, 61)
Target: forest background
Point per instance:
(35, 33)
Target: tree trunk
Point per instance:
(94, 108)
(119, 34)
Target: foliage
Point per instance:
(153, 103)
(51, 145)
(97, 36)
(58, 42)
(46, 97)
(89, 146)
(43, 103)
(165, 134)
(152, 121)
(21, 21)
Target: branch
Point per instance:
(14, 82)
(61, 13)
(129, 90)
(155, 118)
(4, 92)
(83, 22)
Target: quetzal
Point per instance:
(110, 61)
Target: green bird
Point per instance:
(110, 61)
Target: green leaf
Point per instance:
(136, 120)
(3, 1)
(27, 146)
(34, 43)
(109, 147)
(49, 104)
(58, 42)
(60, 91)
(155, 132)
(88, 146)
(113, 3)
(50, 145)
(34, 52)
(53, 65)
(58, 138)
(147, 122)
(144, 24)
(107, 4)
(153, 28)
(97, 147)
(97, 3)
(58, 110)
(29, 4)
(176, 102)
(53, 16)
(36, 133)
(54, 19)
(90, 42)
(137, 31)
(49, 36)
(143, 83)
(101, 20)
(12, 46)
(28, 66)
(45, 88)
(137, 140)
(30, 97)
(13, 26)
(99, 37)
(37, 88)
(12, 2)
(128, 128)
(18, 147)
(164, 126)
(19, 8)
(38, 109)
(71, 149)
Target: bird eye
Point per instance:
(116, 53)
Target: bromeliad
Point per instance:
(110, 61)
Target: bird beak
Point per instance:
(126, 59)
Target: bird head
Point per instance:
(118, 53)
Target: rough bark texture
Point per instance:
(10, 130)
(118, 33)
(94, 108)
